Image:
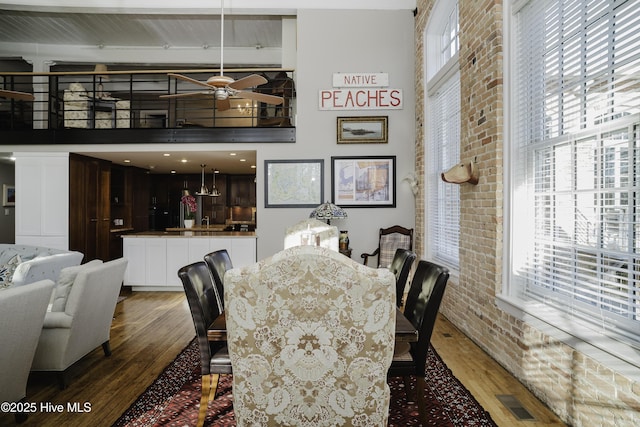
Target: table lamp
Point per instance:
(328, 211)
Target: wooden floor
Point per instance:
(151, 328)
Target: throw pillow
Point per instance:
(65, 282)
(7, 254)
(7, 270)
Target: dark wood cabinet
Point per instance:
(242, 190)
(236, 191)
(121, 197)
(141, 199)
(89, 206)
(130, 202)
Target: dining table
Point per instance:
(405, 331)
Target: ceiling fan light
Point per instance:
(221, 94)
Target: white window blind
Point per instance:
(443, 203)
(576, 148)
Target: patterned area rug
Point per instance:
(174, 397)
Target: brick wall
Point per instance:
(577, 388)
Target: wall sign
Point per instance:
(360, 79)
(360, 99)
(360, 91)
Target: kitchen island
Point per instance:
(156, 256)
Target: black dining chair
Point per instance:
(423, 301)
(219, 262)
(400, 266)
(214, 357)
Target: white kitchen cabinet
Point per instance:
(155, 258)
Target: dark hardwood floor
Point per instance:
(151, 328)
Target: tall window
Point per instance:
(443, 137)
(576, 148)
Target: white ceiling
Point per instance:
(149, 30)
(235, 162)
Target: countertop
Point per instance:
(121, 230)
(170, 234)
(198, 228)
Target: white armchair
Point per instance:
(81, 315)
(328, 234)
(22, 311)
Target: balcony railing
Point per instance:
(131, 100)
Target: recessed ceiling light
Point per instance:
(243, 160)
(184, 160)
(253, 166)
(127, 161)
(167, 154)
(232, 154)
(173, 171)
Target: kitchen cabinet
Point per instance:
(89, 206)
(155, 257)
(242, 190)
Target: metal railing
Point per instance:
(131, 99)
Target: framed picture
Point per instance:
(293, 183)
(8, 195)
(364, 181)
(362, 130)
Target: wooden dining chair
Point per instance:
(423, 302)
(311, 336)
(219, 262)
(389, 240)
(214, 357)
(400, 266)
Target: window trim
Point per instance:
(434, 81)
(619, 356)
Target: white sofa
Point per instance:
(79, 319)
(23, 264)
(22, 311)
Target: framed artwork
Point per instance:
(366, 182)
(8, 195)
(362, 130)
(293, 183)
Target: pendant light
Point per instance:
(214, 191)
(204, 191)
(185, 189)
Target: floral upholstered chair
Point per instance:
(310, 335)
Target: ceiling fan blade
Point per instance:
(223, 104)
(188, 79)
(186, 94)
(20, 96)
(249, 81)
(262, 97)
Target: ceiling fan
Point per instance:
(224, 87)
(19, 96)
